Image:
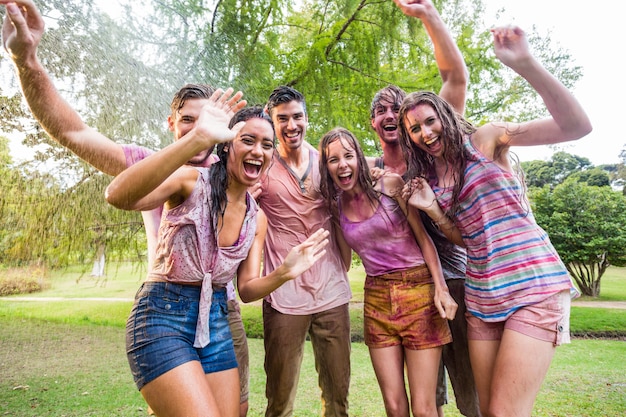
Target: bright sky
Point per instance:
(588, 31)
(593, 33)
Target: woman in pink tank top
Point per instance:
(406, 301)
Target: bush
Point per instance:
(22, 281)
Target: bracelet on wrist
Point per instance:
(442, 221)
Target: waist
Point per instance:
(216, 287)
(419, 274)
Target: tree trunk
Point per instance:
(98, 263)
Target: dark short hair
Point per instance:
(391, 93)
(284, 94)
(190, 91)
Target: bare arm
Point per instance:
(443, 300)
(447, 54)
(145, 184)
(568, 119)
(421, 196)
(252, 286)
(21, 32)
(344, 249)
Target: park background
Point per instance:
(120, 71)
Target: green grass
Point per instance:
(65, 357)
(56, 369)
(601, 322)
(124, 280)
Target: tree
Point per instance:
(594, 176)
(586, 225)
(617, 172)
(557, 169)
(122, 75)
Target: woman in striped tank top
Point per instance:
(517, 287)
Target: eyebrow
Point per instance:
(279, 115)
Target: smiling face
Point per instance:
(290, 121)
(385, 120)
(251, 151)
(183, 120)
(342, 164)
(424, 129)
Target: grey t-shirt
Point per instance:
(452, 257)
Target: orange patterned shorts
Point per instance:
(399, 309)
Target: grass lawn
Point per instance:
(66, 357)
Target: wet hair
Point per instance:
(391, 93)
(284, 94)
(328, 189)
(454, 130)
(190, 91)
(218, 174)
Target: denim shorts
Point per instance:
(161, 330)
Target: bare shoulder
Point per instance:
(392, 184)
(490, 138)
(371, 161)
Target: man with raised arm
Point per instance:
(384, 120)
(21, 33)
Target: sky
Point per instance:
(588, 30)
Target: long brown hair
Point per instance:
(454, 130)
(328, 189)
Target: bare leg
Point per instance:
(513, 372)
(225, 388)
(422, 370)
(182, 391)
(483, 356)
(388, 365)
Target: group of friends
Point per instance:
(459, 276)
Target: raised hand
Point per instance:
(418, 194)
(22, 29)
(300, 258)
(222, 100)
(414, 8)
(216, 114)
(511, 45)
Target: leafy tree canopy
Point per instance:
(586, 225)
(121, 76)
(556, 170)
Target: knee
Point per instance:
(494, 412)
(396, 410)
(423, 410)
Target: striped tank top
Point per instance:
(511, 262)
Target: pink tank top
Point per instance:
(385, 242)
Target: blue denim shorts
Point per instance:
(161, 330)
